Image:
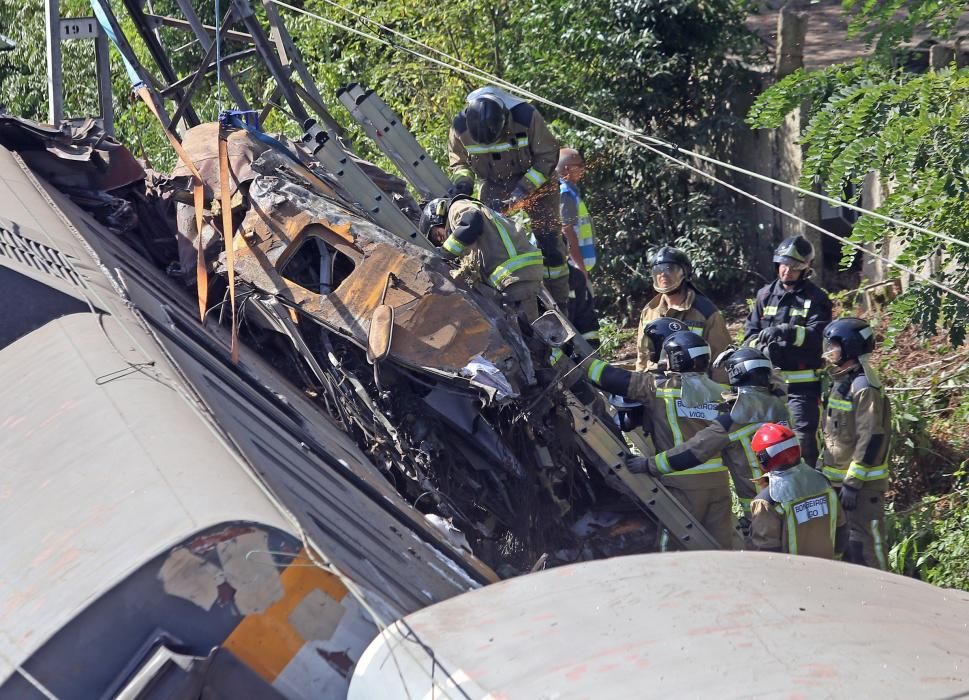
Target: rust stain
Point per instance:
(206, 543)
(6, 492)
(342, 230)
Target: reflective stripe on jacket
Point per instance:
(525, 153)
(857, 426)
(507, 256)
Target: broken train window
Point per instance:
(317, 263)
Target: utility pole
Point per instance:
(71, 29)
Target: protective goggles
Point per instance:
(792, 263)
(667, 269)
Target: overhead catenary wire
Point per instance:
(626, 133)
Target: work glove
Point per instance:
(495, 205)
(782, 333)
(724, 356)
(848, 497)
(517, 195)
(642, 465)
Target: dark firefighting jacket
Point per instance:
(857, 426)
(525, 154)
(808, 308)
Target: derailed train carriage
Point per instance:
(460, 408)
(165, 512)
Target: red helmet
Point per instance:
(776, 447)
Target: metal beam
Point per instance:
(205, 41)
(160, 56)
(55, 87)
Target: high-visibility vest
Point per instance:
(585, 233)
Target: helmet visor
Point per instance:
(790, 262)
(667, 277)
(831, 351)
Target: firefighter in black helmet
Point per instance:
(754, 398)
(857, 428)
(680, 400)
(509, 262)
(787, 321)
(505, 142)
(676, 297)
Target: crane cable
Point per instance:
(631, 136)
(626, 131)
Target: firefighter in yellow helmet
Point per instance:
(797, 512)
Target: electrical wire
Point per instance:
(629, 135)
(625, 131)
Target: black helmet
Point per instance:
(747, 367)
(852, 336)
(667, 255)
(796, 251)
(658, 330)
(434, 214)
(486, 115)
(687, 352)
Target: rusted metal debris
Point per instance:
(460, 411)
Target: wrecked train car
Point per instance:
(455, 405)
(164, 509)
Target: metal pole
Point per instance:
(55, 87)
(103, 66)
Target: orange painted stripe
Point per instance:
(265, 641)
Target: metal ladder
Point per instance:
(384, 126)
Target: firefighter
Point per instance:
(678, 403)
(787, 321)
(797, 511)
(509, 263)
(753, 400)
(677, 298)
(504, 141)
(576, 222)
(856, 426)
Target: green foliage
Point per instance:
(932, 540)
(612, 337)
(913, 129)
(888, 23)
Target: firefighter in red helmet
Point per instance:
(797, 511)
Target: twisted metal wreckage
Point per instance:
(325, 275)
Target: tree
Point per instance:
(661, 66)
(913, 129)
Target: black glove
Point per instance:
(463, 188)
(781, 333)
(495, 205)
(848, 497)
